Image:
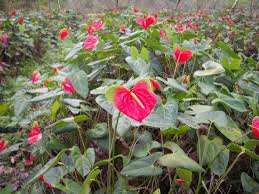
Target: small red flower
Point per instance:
(255, 126)
(34, 135)
(56, 69)
(21, 20)
(63, 33)
(98, 24)
(90, 30)
(4, 39)
(182, 56)
(145, 23)
(90, 42)
(181, 180)
(137, 103)
(155, 84)
(162, 34)
(3, 145)
(13, 13)
(135, 9)
(123, 29)
(180, 29)
(35, 76)
(68, 87)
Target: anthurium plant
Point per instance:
(138, 102)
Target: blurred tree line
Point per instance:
(92, 6)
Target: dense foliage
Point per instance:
(135, 103)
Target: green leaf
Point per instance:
(80, 118)
(144, 144)
(100, 131)
(139, 66)
(231, 131)
(172, 83)
(54, 175)
(236, 104)
(231, 63)
(134, 52)
(181, 130)
(227, 50)
(105, 104)
(47, 95)
(178, 159)
(210, 68)
(144, 54)
(4, 108)
(218, 117)
(7, 189)
(249, 184)
(55, 108)
(143, 167)
(163, 116)
(89, 179)
(20, 105)
(83, 163)
(80, 82)
(123, 125)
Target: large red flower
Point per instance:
(145, 22)
(3, 144)
(34, 135)
(90, 42)
(63, 33)
(98, 24)
(255, 126)
(35, 76)
(182, 56)
(68, 87)
(137, 103)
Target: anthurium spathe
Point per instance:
(13, 13)
(180, 29)
(63, 33)
(4, 39)
(35, 76)
(90, 42)
(155, 84)
(3, 145)
(90, 30)
(98, 24)
(123, 29)
(137, 103)
(34, 135)
(21, 20)
(68, 87)
(255, 126)
(145, 22)
(182, 56)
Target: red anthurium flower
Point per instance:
(135, 9)
(162, 34)
(35, 76)
(145, 23)
(155, 84)
(63, 33)
(34, 135)
(90, 42)
(4, 39)
(68, 87)
(3, 145)
(137, 103)
(13, 13)
(98, 24)
(42, 179)
(180, 29)
(123, 29)
(255, 126)
(182, 56)
(56, 69)
(21, 20)
(181, 180)
(90, 30)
